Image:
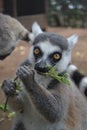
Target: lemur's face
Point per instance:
(46, 56)
(49, 50)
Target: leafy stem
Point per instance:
(54, 74)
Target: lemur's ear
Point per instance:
(35, 31)
(72, 40)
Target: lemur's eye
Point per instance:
(36, 51)
(56, 56)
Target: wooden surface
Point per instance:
(27, 21)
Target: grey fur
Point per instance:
(11, 31)
(53, 38)
(19, 126)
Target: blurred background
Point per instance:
(66, 13)
(64, 17)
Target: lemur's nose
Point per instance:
(41, 67)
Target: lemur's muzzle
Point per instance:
(41, 67)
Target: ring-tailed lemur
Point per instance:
(44, 103)
(79, 79)
(11, 31)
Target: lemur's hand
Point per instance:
(26, 74)
(9, 88)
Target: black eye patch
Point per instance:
(55, 57)
(37, 52)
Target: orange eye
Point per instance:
(36, 51)
(56, 56)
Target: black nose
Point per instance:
(41, 67)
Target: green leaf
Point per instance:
(11, 115)
(18, 84)
(54, 74)
(2, 106)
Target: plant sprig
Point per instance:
(18, 88)
(18, 84)
(11, 115)
(2, 107)
(54, 74)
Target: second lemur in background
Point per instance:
(11, 31)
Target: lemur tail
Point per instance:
(79, 79)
